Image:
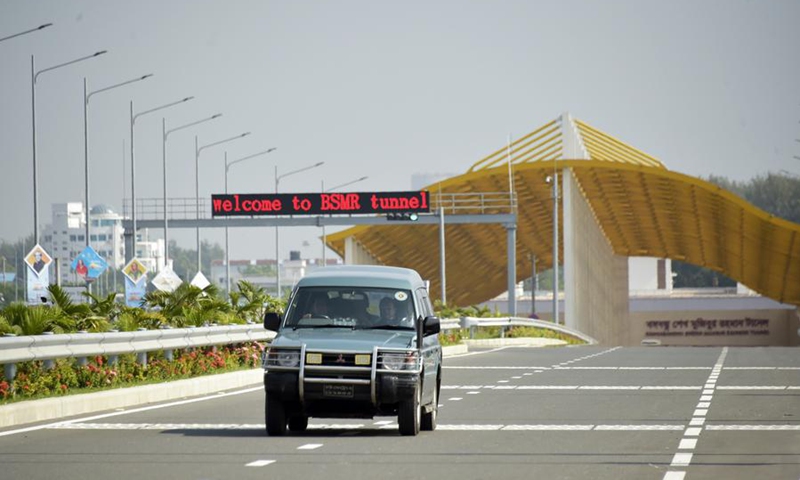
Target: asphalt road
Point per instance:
(586, 412)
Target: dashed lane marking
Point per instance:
(260, 463)
(692, 431)
(310, 446)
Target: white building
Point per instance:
(65, 238)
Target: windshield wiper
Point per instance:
(327, 325)
(386, 326)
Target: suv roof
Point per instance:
(362, 276)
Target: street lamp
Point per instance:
(34, 76)
(40, 27)
(164, 134)
(324, 238)
(86, 97)
(277, 240)
(197, 151)
(228, 166)
(132, 254)
(554, 179)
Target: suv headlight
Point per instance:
(283, 358)
(400, 361)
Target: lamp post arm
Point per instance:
(298, 171)
(216, 115)
(222, 141)
(228, 165)
(161, 108)
(345, 184)
(40, 27)
(139, 79)
(87, 57)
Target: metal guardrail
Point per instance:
(81, 345)
(27, 348)
(475, 322)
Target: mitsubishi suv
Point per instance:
(354, 342)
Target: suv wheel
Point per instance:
(429, 418)
(276, 417)
(409, 413)
(298, 423)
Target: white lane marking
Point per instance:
(547, 387)
(687, 444)
(674, 475)
(516, 378)
(383, 422)
(670, 387)
(753, 427)
(638, 428)
(681, 460)
(706, 398)
(473, 393)
(792, 388)
(133, 410)
(505, 387)
(260, 463)
(700, 412)
(502, 381)
(697, 421)
(703, 404)
(708, 392)
(455, 399)
(537, 371)
(478, 353)
(309, 446)
(458, 367)
(529, 374)
(608, 387)
(693, 431)
(753, 387)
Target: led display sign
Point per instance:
(261, 204)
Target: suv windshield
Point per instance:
(363, 308)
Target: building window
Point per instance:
(93, 238)
(81, 238)
(72, 238)
(101, 237)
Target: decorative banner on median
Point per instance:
(38, 260)
(134, 270)
(134, 292)
(37, 285)
(89, 264)
(261, 204)
(167, 280)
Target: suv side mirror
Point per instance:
(272, 321)
(431, 326)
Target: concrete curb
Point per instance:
(32, 411)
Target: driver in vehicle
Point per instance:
(318, 308)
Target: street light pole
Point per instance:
(164, 135)
(277, 239)
(197, 151)
(86, 97)
(132, 254)
(555, 249)
(322, 185)
(34, 76)
(228, 166)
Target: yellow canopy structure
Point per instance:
(642, 208)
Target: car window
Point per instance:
(347, 306)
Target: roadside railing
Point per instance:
(473, 323)
(80, 346)
(48, 348)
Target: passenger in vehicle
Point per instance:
(389, 313)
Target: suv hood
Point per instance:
(344, 339)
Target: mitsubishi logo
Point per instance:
(341, 359)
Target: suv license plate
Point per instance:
(337, 391)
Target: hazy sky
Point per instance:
(383, 89)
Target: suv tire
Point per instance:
(275, 417)
(429, 418)
(298, 423)
(409, 413)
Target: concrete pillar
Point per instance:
(356, 254)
